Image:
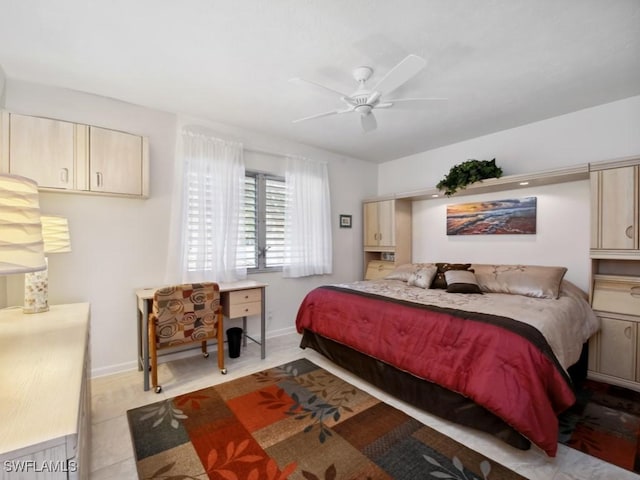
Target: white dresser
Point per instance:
(45, 402)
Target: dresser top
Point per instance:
(42, 357)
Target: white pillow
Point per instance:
(529, 280)
(423, 276)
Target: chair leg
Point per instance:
(205, 354)
(221, 344)
(153, 353)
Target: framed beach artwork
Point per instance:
(514, 216)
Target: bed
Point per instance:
(491, 349)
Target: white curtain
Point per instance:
(208, 196)
(308, 248)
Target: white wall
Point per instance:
(562, 233)
(3, 82)
(601, 133)
(121, 244)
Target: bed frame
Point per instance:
(426, 395)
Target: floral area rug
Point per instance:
(604, 423)
(294, 421)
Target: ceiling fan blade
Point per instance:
(324, 114)
(302, 81)
(384, 105)
(368, 122)
(400, 74)
(416, 99)
(374, 97)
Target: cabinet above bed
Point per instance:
(615, 207)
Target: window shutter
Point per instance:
(248, 252)
(274, 221)
(198, 232)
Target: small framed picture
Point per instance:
(345, 221)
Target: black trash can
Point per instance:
(234, 338)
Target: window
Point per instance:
(262, 223)
(199, 232)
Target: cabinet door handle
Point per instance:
(64, 175)
(629, 231)
(99, 178)
(635, 292)
(627, 332)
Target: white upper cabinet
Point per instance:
(115, 162)
(43, 150)
(379, 224)
(74, 157)
(615, 217)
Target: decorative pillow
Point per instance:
(440, 281)
(461, 281)
(403, 272)
(529, 280)
(423, 277)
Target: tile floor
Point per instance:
(112, 396)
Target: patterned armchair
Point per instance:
(184, 314)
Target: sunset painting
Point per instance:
(512, 216)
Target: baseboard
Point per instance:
(189, 351)
(611, 380)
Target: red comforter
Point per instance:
(504, 365)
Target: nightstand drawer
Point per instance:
(378, 269)
(242, 309)
(617, 294)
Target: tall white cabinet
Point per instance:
(45, 404)
(387, 235)
(614, 352)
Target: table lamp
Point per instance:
(21, 243)
(55, 232)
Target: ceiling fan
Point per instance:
(365, 99)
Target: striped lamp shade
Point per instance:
(55, 231)
(21, 244)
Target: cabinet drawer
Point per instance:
(616, 294)
(244, 296)
(378, 269)
(243, 309)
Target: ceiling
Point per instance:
(500, 63)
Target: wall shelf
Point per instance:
(507, 182)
